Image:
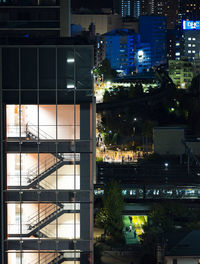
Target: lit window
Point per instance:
(189, 45)
(193, 51)
(177, 44)
(189, 51)
(193, 38)
(189, 39)
(193, 45)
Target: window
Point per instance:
(189, 39)
(189, 45)
(193, 38)
(189, 51)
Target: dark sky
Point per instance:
(91, 3)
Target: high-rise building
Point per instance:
(47, 137)
(152, 30)
(34, 18)
(126, 8)
(189, 9)
(47, 160)
(136, 8)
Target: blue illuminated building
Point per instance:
(143, 57)
(152, 30)
(120, 49)
(191, 25)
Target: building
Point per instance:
(126, 8)
(169, 9)
(189, 10)
(120, 47)
(175, 43)
(152, 29)
(181, 72)
(182, 247)
(143, 57)
(46, 153)
(103, 22)
(34, 18)
(136, 8)
(191, 39)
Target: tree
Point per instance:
(113, 203)
(107, 71)
(111, 214)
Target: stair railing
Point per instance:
(49, 258)
(33, 129)
(43, 167)
(39, 217)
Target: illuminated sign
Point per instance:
(191, 25)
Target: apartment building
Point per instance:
(47, 154)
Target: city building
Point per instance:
(143, 57)
(136, 8)
(34, 18)
(152, 29)
(191, 39)
(103, 22)
(176, 250)
(175, 43)
(47, 161)
(120, 47)
(181, 72)
(189, 10)
(126, 8)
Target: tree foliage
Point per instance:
(110, 216)
(106, 70)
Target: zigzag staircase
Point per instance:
(50, 258)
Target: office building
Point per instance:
(126, 8)
(120, 47)
(34, 18)
(143, 57)
(181, 72)
(152, 30)
(47, 160)
(189, 10)
(136, 8)
(191, 38)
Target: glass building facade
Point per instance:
(47, 154)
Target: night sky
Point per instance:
(94, 4)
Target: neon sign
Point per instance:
(191, 25)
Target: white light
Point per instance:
(108, 83)
(70, 86)
(140, 53)
(166, 164)
(71, 60)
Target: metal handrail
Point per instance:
(42, 166)
(46, 185)
(35, 130)
(46, 259)
(36, 219)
